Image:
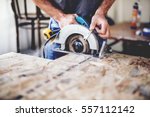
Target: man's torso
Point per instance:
(84, 8)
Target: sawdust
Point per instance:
(145, 91)
(145, 63)
(4, 71)
(137, 71)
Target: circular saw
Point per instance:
(76, 38)
(73, 38)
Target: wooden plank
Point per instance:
(73, 76)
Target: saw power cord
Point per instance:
(51, 39)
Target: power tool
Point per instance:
(75, 38)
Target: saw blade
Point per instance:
(71, 30)
(77, 43)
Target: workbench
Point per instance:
(122, 31)
(132, 44)
(74, 76)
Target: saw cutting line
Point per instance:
(73, 66)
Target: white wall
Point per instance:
(7, 28)
(121, 11)
(8, 31)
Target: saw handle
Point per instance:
(81, 21)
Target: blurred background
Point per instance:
(121, 11)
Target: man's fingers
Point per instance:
(74, 22)
(68, 19)
(106, 35)
(101, 30)
(98, 30)
(93, 25)
(100, 24)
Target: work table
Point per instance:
(122, 31)
(74, 76)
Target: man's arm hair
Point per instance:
(48, 8)
(104, 7)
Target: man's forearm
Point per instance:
(105, 6)
(47, 7)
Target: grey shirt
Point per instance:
(84, 8)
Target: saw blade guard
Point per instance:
(77, 30)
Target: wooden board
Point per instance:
(74, 76)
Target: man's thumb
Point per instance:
(92, 26)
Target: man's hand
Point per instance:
(99, 21)
(58, 15)
(66, 19)
(101, 25)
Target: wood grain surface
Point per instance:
(73, 76)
